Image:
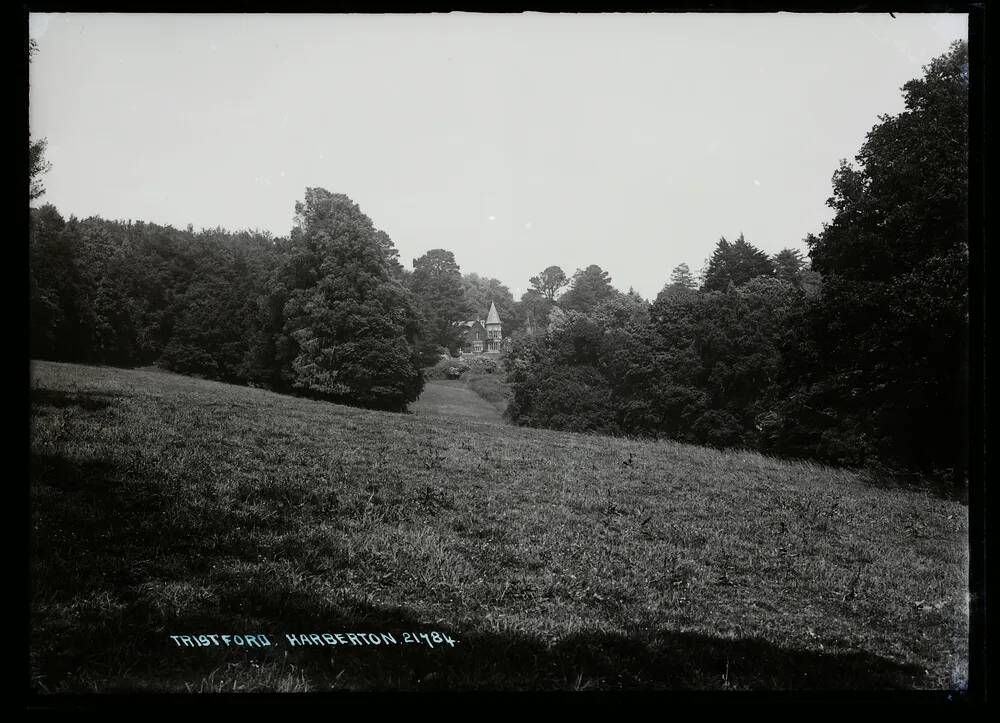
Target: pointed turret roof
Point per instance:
(493, 317)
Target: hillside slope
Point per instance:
(164, 505)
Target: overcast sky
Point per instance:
(516, 141)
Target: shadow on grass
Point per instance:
(111, 514)
(101, 542)
(123, 557)
(592, 659)
(89, 401)
(588, 660)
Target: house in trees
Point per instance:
(483, 336)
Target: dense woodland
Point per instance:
(854, 355)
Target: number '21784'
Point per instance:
(430, 639)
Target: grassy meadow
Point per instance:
(482, 375)
(164, 505)
(454, 399)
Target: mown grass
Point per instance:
(167, 505)
(454, 399)
(484, 375)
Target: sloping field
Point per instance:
(168, 506)
(453, 399)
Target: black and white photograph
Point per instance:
(476, 351)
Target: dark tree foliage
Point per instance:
(556, 381)
(681, 282)
(791, 266)
(322, 313)
(573, 377)
(891, 324)
(858, 357)
(721, 356)
(682, 278)
(624, 311)
(735, 263)
(480, 291)
(531, 314)
(215, 314)
(63, 323)
(37, 165)
(350, 328)
(788, 265)
(549, 282)
(700, 367)
(391, 254)
(590, 286)
(126, 293)
(437, 287)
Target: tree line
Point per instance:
(327, 311)
(319, 312)
(856, 356)
(853, 355)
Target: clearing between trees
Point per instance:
(454, 399)
(163, 506)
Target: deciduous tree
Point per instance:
(549, 282)
(894, 260)
(351, 326)
(590, 287)
(437, 287)
(37, 165)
